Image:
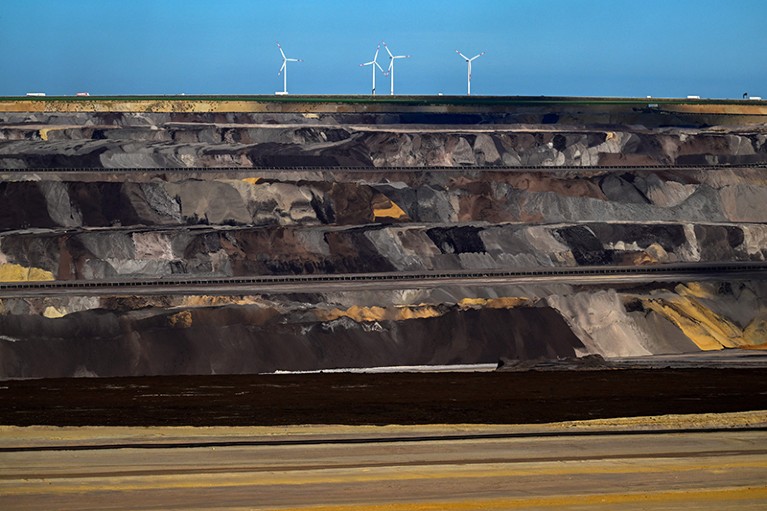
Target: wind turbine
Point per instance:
(374, 63)
(469, 61)
(392, 58)
(284, 68)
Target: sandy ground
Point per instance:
(633, 464)
(44, 436)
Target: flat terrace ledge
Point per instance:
(69, 437)
(370, 104)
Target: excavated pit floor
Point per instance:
(379, 399)
(97, 226)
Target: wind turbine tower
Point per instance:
(374, 63)
(468, 76)
(392, 58)
(284, 69)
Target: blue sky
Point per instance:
(666, 48)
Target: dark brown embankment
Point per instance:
(404, 398)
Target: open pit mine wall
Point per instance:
(149, 225)
(163, 335)
(130, 140)
(186, 223)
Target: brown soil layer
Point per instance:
(378, 399)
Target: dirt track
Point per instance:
(692, 470)
(357, 399)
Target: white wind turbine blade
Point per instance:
(388, 51)
(282, 52)
(375, 59)
(462, 55)
(294, 60)
(401, 57)
(477, 56)
(284, 63)
(378, 66)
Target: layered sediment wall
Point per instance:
(438, 186)
(122, 336)
(129, 140)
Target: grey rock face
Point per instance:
(152, 204)
(172, 334)
(327, 219)
(211, 203)
(463, 153)
(123, 140)
(59, 206)
(618, 189)
(743, 203)
(313, 249)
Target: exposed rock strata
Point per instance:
(71, 336)
(337, 222)
(290, 250)
(324, 219)
(338, 198)
(123, 140)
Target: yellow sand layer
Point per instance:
(392, 211)
(707, 329)
(213, 301)
(43, 132)
(313, 105)
(505, 302)
(10, 272)
(696, 289)
(53, 313)
(755, 109)
(181, 319)
(368, 314)
(403, 312)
